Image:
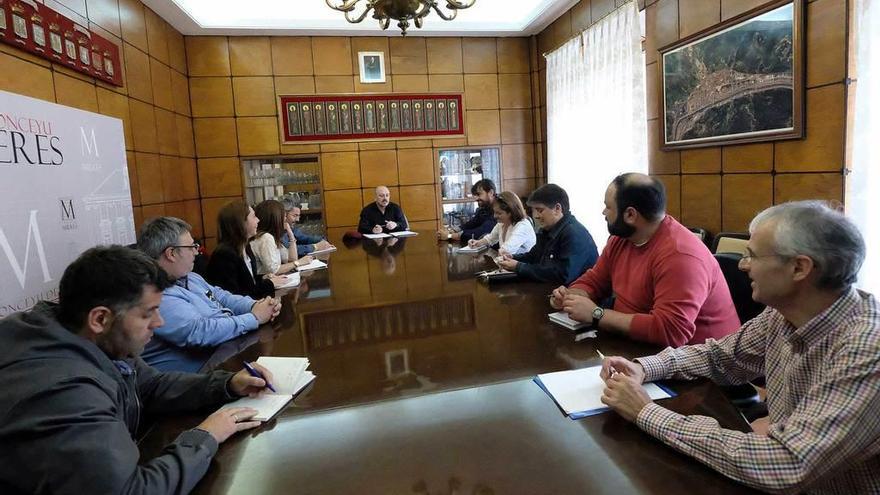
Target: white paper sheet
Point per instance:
(581, 390)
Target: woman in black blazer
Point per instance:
(232, 265)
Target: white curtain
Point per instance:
(863, 192)
(596, 116)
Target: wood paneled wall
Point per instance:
(234, 82)
(153, 104)
(721, 188)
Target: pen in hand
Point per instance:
(602, 356)
(256, 374)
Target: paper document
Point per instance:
(579, 392)
(561, 318)
(293, 280)
(404, 233)
(289, 377)
(323, 251)
(468, 249)
(377, 236)
(314, 265)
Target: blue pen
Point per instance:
(256, 374)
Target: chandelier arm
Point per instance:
(384, 23)
(425, 9)
(359, 18)
(443, 15)
(459, 4)
(347, 5)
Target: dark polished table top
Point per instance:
(424, 386)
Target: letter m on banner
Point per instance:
(20, 270)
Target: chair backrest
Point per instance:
(701, 234)
(740, 286)
(730, 242)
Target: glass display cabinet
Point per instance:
(297, 178)
(461, 168)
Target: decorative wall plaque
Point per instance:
(315, 118)
(39, 30)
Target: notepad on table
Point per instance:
(404, 233)
(289, 377)
(476, 249)
(314, 265)
(578, 392)
(323, 251)
(293, 280)
(562, 318)
(377, 236)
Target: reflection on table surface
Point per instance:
(424, 386)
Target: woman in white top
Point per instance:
(271, 255)
(513, 231)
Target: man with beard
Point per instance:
(483, 220)
(668, 287)
(382, 216)
(76, 393)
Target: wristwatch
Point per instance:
(448, 236)
(598, 313)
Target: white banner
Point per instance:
(64, 188)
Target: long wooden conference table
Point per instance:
(424, 386)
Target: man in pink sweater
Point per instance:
(668, 287)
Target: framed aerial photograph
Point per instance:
(372, 65)
(738, 82)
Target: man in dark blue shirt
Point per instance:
(483, 220)
(565, 248)
(382, 216)
(305, 243)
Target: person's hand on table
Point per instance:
(377, 229)
(322, 245)
(266, 309)
(390, 225)
(625, 395)
(507, 263)
(557, 296)
(614, 365)
(243, 384)
(578, 307)
(761, 426)
(226, 422)
(305, 260)
(278, 280)
(473, 243)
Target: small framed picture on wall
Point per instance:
(372, 65)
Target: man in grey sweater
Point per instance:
(74, 388)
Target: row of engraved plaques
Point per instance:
(372, 116)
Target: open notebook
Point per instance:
(323, 251)
(468, 249)
(314, 265)
(293, 280)
(404, 233)
(377, 236)
(579, 392)
(289, 378)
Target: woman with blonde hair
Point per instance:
(272, 256)
(513, 232)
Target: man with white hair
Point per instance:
(817, 343)
(382, 216)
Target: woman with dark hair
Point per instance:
(513, 232)
(232, 265)
(271, 255)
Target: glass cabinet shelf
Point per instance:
(297, 178)
(460, 169)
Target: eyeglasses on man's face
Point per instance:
(194, 246)
(750, 257)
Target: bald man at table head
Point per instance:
(817, 343)
(382, 215)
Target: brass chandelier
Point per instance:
(401, 11)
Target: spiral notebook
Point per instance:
(290, 377)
